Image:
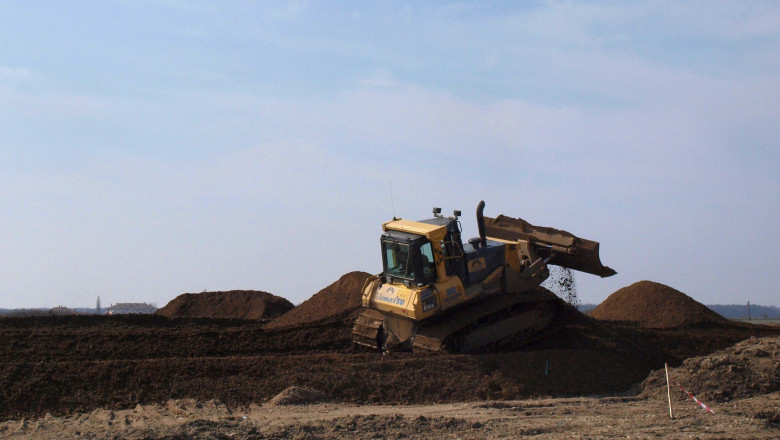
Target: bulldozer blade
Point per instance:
(567, 249)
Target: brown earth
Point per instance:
(241, 304)
(66, 364)
(749, 368)
(654, 305)
(570, 418)
(297, 396)
(339, 300)
(62, 365)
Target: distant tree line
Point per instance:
(119, 308)
(730, 311)
(26, 312)
(586, 307)
(740, 311)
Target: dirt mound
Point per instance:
(340, 299)
(239, 304)
(298, 396)
(748, 369)
(654, 305)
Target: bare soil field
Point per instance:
(62, 366)
(150, 376)
(570, 418)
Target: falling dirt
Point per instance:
(240, 304)
(654, 305)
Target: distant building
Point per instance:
(123, 308)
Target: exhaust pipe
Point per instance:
(481, 223)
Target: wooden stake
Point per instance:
(668, 391)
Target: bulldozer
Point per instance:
(437, 293)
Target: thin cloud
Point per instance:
(8, 74)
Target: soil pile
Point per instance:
(654, 305)
(297, 396)
(341, 299)
(748, 369)
(239, 304)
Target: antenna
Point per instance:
(392, 201)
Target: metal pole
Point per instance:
(668, 391)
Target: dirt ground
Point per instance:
(68, 364)
(146, 376)
(570, 418)
(151, 376)
(749, 368)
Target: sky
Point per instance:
(152, 148)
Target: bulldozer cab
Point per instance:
(423, 252)
(408, 259)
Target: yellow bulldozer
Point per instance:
(436, 293)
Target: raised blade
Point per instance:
(585, 260)
(569, 250)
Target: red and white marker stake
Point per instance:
(701, 404)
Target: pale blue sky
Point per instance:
(151, 148)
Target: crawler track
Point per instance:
(367, 330)
(495, 322)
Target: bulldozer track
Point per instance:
(496, 322)
(367, 330)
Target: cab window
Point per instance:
(398, 260)
(428, 263)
